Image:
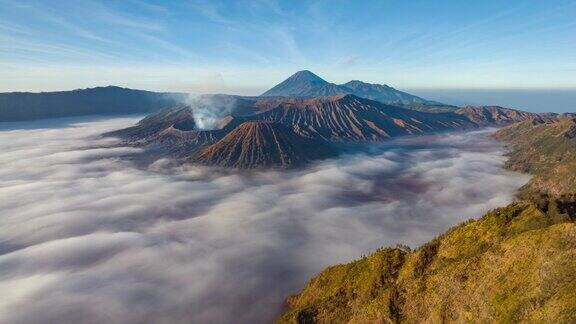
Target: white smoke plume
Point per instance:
(208, 110)
(85, 237)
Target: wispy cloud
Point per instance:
(211, 11)
(13, 28)
(405, 44)
(33, 47)
(163, 44)
(109, 15)
(289, 44)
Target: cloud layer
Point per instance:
(87, 237)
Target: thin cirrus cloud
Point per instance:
(85, 236)
(406, 44)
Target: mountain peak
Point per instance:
(303, 84)
(306, 75)
(355, 82)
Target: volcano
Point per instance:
(305, 84)
(257, 144)
(302, 119)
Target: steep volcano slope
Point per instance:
(349, 118)
(257, 144)
(305, 84)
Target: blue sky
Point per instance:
(245, 47)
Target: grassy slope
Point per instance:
(514, 264)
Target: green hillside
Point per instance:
(514, 264)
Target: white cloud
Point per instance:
(87, 237)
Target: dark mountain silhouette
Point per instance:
(19, 106)
(256, 144)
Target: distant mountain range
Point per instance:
(19, 106)
(276, 129)
(308, 85)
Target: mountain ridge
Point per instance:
(113, 100)
(348, 118)
(495, 115)
(307, 84)
(340, 119)
(545, 147)
(109, 100)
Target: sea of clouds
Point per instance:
(87, 237)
